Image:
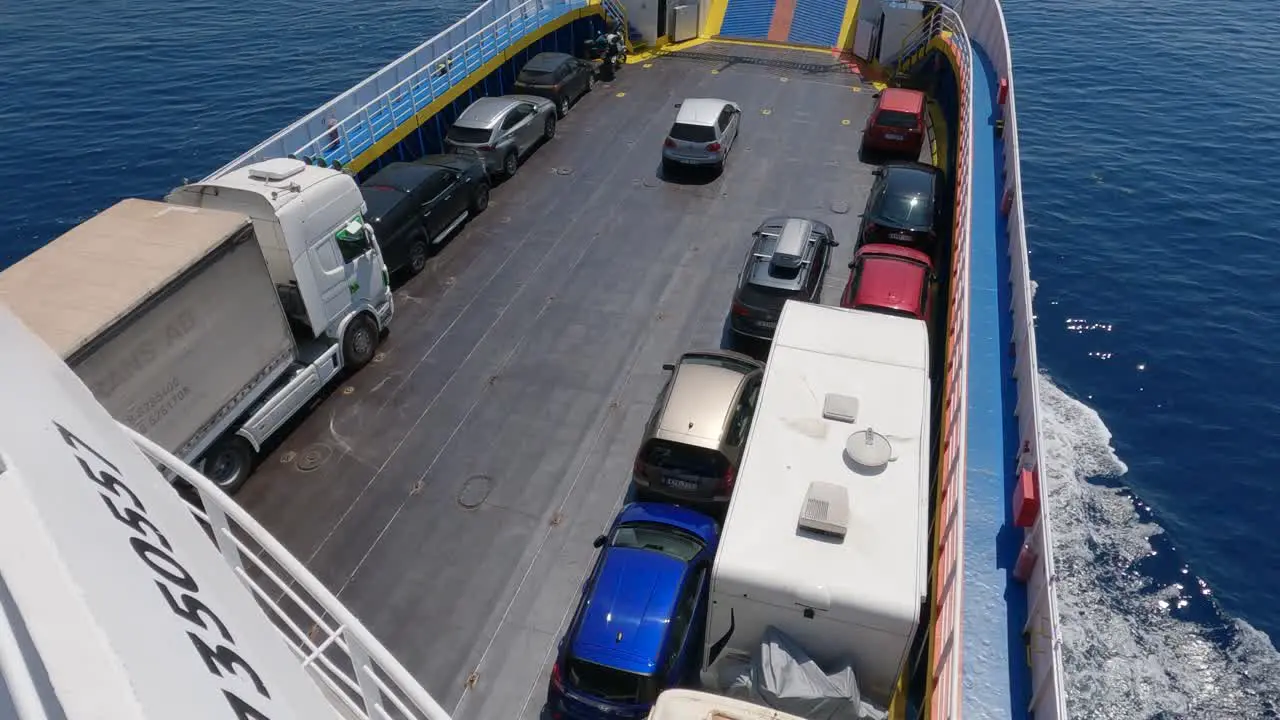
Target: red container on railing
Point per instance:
(1026, 499)
(1002, 92)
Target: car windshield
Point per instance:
(693, 133)
(610, 683)
(684, 458)
(536, 76)
(907, 200)
(468, 136)
(720, 361)
(764, 296)
(659, 538)
(895, 119)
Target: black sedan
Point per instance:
(558, 77)
(413, 206)
(907, 205)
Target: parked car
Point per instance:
(694, 439)
(787, 261)
(502, 130)
(907, 205)
(896, 123)
(415, 205)
(703, 133)
(638, 627)
(558, 77)
(892, 279)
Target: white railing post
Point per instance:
(366, 654)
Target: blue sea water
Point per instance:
(1146, 137)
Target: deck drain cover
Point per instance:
(649, 182)
(839, 207)
(475, 491)
(313, 457)
(564, 171)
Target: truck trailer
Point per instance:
(177, 319)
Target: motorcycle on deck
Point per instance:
(608, 52)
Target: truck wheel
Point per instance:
(359, 342)
(417, 257)
(228, 463)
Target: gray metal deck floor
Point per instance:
(529, 353)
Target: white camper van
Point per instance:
(826, 536)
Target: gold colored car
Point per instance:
(694, 439)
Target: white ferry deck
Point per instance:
(450, 493)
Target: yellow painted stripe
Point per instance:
(389, 141)
(715, 18)
(939, 122)
(847, 26)
(667, 49)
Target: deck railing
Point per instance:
(360, 677)
(985, 21)
(346, 126)
(357, 132)
(943, 686)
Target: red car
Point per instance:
(892, 279)
(896, 124)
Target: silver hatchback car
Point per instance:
(501, 130)
(703, 133)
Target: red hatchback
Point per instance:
(896, 123)
(892, 279)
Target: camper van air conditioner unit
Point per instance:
(826, 509)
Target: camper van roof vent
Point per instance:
(826, 509)
(276, 169)
(841, 408)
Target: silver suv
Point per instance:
(702, 134)
(501, 130)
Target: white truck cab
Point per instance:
(322, 255)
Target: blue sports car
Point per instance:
(638, 627)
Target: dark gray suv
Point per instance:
(787, 260)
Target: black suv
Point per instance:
(907, 205)
(558, 77)
(415, 205)
(787, 261)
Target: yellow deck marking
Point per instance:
(766, 111)
(647, 65)
(621, 94)
(845, 121)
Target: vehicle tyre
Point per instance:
(359, 341)
(228, 463)
(549, 128)
(510, 164)
(668, 167)
(562, 105)
(417, 257)
(481, 200)
(591, 82)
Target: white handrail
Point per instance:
(367, 694)
(530, 9)
(1049, 693)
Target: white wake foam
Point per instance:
(1126, 656)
